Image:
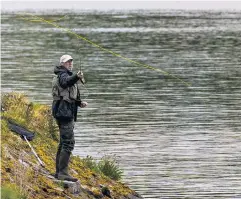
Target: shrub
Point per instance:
(107, 166)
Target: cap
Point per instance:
(65, 58)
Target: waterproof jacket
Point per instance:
(67, 81)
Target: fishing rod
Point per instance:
(82, 80)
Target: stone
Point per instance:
(72, 187)
(59, 189)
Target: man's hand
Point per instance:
(83, 104)
(81, 76)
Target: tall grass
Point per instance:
(107, 166)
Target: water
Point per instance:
(173, 141)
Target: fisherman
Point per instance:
(66, 100)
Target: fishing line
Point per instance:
(104, 49)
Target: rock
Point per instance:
(75, 188)
(59, 189)
(105, 191)
(72, 187)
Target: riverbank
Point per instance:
(21, 174)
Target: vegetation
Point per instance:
(11, 192)
(21, 174)
(107, 166)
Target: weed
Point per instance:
(107, 166)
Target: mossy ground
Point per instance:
(19, 167)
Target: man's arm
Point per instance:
(67, 81)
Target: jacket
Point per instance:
(67, 90)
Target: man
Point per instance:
(66, 99)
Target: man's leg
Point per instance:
(67, 141)
(57, 158)
(58, 153)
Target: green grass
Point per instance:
(11, 192)
(107, 166)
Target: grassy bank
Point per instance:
(21, 174)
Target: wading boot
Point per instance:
(63, 167)
(57, 163)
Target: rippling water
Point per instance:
(172, 141)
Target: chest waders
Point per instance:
(66, 129)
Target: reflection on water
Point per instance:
(172, 141)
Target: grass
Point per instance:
(11, 191)
(107, 166)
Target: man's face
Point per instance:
(69, 65)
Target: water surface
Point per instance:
(172, 141)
